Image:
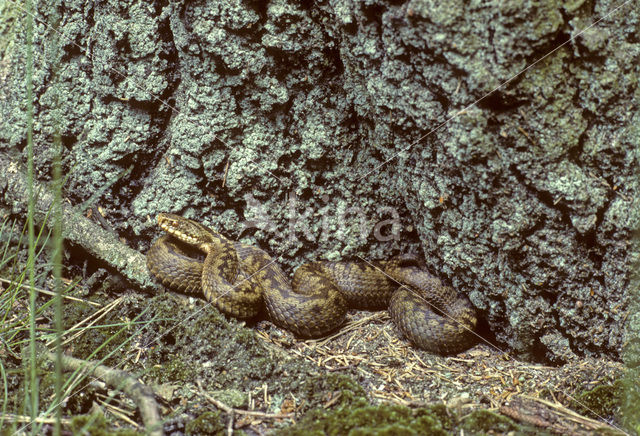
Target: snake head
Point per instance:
(184, 229)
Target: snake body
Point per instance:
(240, 280)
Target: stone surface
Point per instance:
(311, 127)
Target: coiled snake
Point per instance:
(240, 279)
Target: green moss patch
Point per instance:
(600, 402)
(207, 423)
(385, 419)
(482, 422)
(102, 339)
(96, 425)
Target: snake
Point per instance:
(242, 281)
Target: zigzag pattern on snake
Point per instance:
(240, 280)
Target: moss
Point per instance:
(246, 337)
(317, 389)
(109, 337)
(233, 354)
(385, 419)
(207, 423)
(96, 425)
(9, 430)
(174, 370)
(600, 402)
(446, 418)
(630, 398)
(230, 397)
(483, 421)
(105, 337)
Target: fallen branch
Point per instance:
(98, 242)
(140, 394)
(228, 409)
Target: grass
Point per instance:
(31, 394)
(44, 250)
(19, 333)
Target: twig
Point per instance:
(228, 409)
(118, 412)
(141, 394)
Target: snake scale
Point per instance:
(240, 280)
